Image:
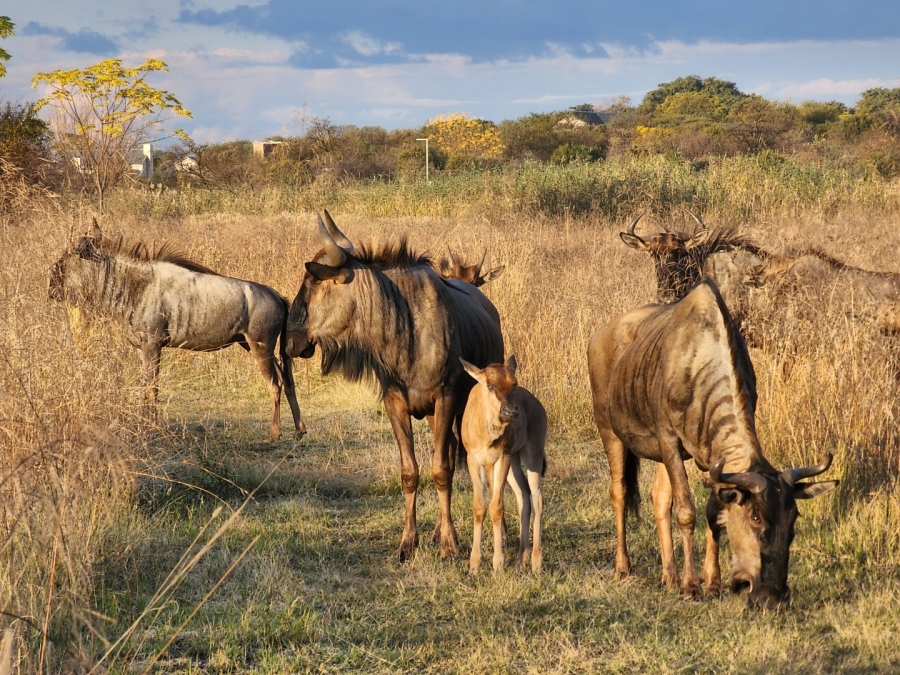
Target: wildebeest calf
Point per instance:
(504, 430)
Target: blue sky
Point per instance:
(261, 67)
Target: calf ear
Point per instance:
(339, 275)
(697, 239)
(473, 370)
(493, 274)
(810, 490)
(634, 241)
(512, 364)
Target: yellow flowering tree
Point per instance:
(460, 135)
(103, 113)
(6, 30)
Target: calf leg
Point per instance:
(519, 484)
(478, 511)
(151, 354)
(500, 471)
(395, 406)
(712, 575)
(661, 496)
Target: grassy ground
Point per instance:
(198, 546)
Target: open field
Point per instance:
(98, 510)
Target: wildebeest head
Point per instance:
(758, 511)
(452, 268)
(675, 258)
(501, 384)
(68, 280)
(331, 265)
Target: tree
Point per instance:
(757, 124)
(459, 134)
(24, 139)
(104, 112)
(726, 92)
(6, 30)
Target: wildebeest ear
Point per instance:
(810, 490)
(697, 239)
(97, 232)
(493, 274)
(634, 241)
(85, 248)
(731, 496)
(512, 364)
(339, 275)
(472, 370)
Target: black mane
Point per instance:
(141, 252)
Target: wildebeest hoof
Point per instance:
(713, 590)
(692, 592)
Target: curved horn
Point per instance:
(634, 223)
(336, 255)
(791, 476)
(480, 263)
(750, 480)
(697, 219)
(339, 237)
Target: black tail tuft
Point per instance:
(632, 489)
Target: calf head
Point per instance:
(451, 268)
(309, 311)
(677, 258)
(500, 384)
(758, 512)
(67, 280)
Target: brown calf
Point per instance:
(505, 427)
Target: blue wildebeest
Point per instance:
(385, 313)
(673, 382)
(450, 267)
(504, 431)
(681, 259)
(162, 299)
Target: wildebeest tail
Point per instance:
(632, 489)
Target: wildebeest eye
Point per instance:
(490, 386)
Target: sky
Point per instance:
(249, 69)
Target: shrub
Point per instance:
(573, 153)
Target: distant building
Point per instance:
(141, 161)
(264, 148)
(593, 117)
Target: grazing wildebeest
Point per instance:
(673, 382)
(504, 431)
(450, 267)
(386, 313)
(811, 274)
(681, 259)
(162, 299)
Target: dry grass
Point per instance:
(97, 509)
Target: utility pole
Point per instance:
(426, 158)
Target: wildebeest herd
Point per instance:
(670, 381)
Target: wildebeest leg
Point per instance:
(615, 456)
(537, 500)
(499, 473)
(684, 512)
(397, 412)
(265, 359)
(478, 511)
(151, 352)
(442, 473)
(661, 496)
(712, 575)
(519, 485)
(287, 369)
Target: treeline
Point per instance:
(690, 118)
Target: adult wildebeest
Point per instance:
(673, 382)
(162, 299)
(450, 267)
(504, 431)
(811, 274)
(681, 259)
(386, 313)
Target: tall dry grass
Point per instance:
(75, 451)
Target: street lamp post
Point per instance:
(426, 157)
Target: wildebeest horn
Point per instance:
(791, 476)
(697, 219)
(336, 255)
(480, 263)
(339, 237)
(750, 480)
(634, 223)
(450, 255)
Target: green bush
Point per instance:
(573, 153)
